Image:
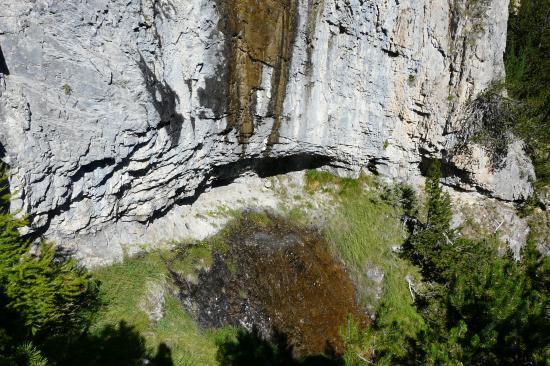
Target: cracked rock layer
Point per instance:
(114, 111)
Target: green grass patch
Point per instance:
(316, 179)
(186, 259)
(320, 181)
(362, 233)
(124, 286)
(297, 215)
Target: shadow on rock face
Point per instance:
(165, 100)
(273, 275)
(3, 66)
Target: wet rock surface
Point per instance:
(276, 278)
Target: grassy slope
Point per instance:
(123, 287)
(362, 231)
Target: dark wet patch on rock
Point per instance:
(259, 35)
(274, 276)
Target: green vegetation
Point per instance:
(478, 307)
(469, 306)
(527, 62)
(43, 296)
(364, 233)
(436, 297)
(489, 120)
(67, 89)
(518, 106)
(124, 286)
(483, 309)
(47, 294)
(191, 257)
(28, 354)
(54, 313)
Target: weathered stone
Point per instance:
(475, 171)
(152, 302)
(481, 216)
(544, 196)
(113, 112)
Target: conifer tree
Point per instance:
(41, 296)
(439, 202)
(481, 308)
(426, 247)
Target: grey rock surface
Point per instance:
(544, 197)
(113, 112)
(482, 216)
(152, 302)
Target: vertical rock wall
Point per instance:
(115, 111)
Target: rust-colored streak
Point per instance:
(260, 33)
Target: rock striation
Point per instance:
(115, 111)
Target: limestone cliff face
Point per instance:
(115, 111)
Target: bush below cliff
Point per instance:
(527, 61)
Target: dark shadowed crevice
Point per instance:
(218, 176)
(450, 170)
(269, 166)
(390, 53)
(372, 166)
(3, 66)
(223, 175)
(166, 8)
(2, 152)
(90, 167)
(66, 206)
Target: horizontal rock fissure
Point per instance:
(218, 176)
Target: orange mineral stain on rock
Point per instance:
(259, 34)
